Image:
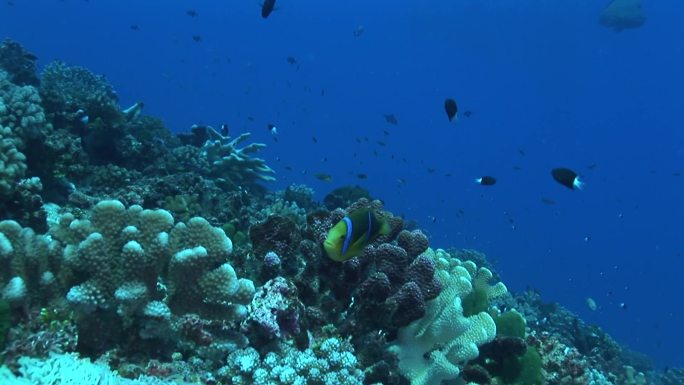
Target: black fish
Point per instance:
(314, 139)
(391, 119)
(225, 130)
(486, 180)
(291, 60)
(362, 176)
(451, 108)
(267, 8)
(467, 113)
(135, 27)
(567, 178)
(196, 38)
(548, 201)
(191, 13)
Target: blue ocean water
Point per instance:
(548, 86)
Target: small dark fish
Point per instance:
(486, 180)
(267, 8)
(323, 177)
(291, 60)
(358, 140)
(375, 153)
(451, 109)
(623, 305)
(385, 132)
(362, 176)
(191, 13)
(250, 118)
(401, 180)
(135, 27)
(322, 92)
(225, 130)
(567, 178)
(548, 201)
(676, 174)
(381, 143)
(521, 152)
(467, 113)
(448, 174)
(516, 168)
(288, 168)
(359, 30)
(431, 170)
(272, 129)
(314, 139)
(391, 119)
(591, 166)
(197, 38)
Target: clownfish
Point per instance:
(349, 236)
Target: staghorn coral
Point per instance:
(235, 166)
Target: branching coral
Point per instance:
(235, 166)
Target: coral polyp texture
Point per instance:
(130, 254)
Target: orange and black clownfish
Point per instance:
(349, 236)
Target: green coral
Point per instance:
(522, 370)
(510, 324)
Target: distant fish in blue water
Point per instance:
(623, 14)
(359, 30)
(267, 8)
(191, 13)
(567, 178)
(291, 60)
(272, 129)
(323, 176)
(486, 180)
(391, 119)
(197, 38)
(451, 109)
(225, 130)
(135, 27)
(467, 113)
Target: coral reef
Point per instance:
(163, 256)
(332, 361)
